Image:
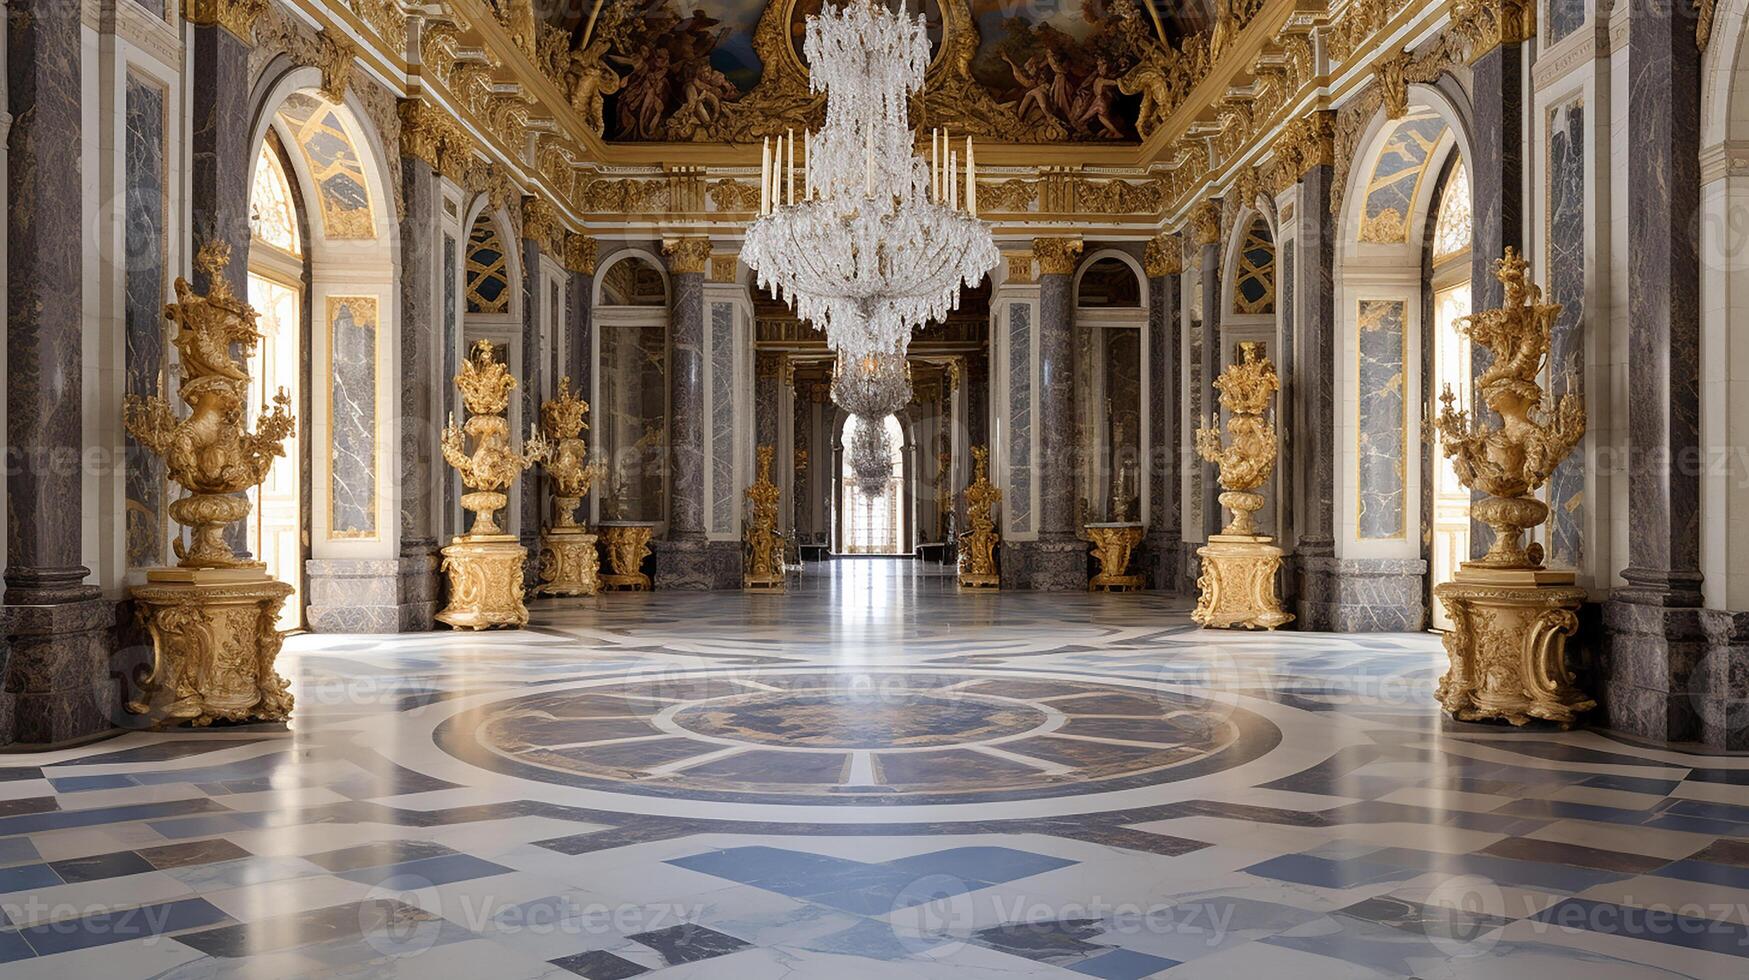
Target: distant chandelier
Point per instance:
(871, 456)
(878, 243)
(873, 385)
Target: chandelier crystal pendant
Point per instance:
(871, 456)
(873, 385)
(879, 241)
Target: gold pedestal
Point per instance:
(978, 558)
(213, 646)
(568, 563)
(626, 545)
(485, 582)
(1113, 545)
(1508, 645)
(1237, 585)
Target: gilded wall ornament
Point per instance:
(580, 253)
(235, 16)
(1487, 24)
(687, 255)
(1056, 256)
(764, 569)
(1205, 223)
(1112, 546)
(1511, 616)
(978, 545)
(1163, 256)
(1393, 81)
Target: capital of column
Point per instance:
(236, 16)
(540, 223)
(579, 253)
(687, 255)
(431, 134)
(1487, 24)
(1205, 223)
(1056, 256)
(1304, 143)
(1163, 256)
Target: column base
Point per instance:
(57, 685)
(1059, 565)
(1676, 674)
(727, 562)
(684, 564)
(1362, 595)
(372, 595)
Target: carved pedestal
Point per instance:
(626, 545)
(568, 563)
(1112, 545)
(978, 559)
(213, 646)
(1237, 586)
(485, 582)
(1508, 645)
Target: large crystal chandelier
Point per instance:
(873, 385)
(871, 455)
(879, 241)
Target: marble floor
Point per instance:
(872, 776)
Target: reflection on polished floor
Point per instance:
(872, 776)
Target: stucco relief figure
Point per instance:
(588, 81)
(672, 90)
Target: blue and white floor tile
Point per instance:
(869, 777)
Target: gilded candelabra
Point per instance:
(764, 544)
(1237, 585)
(568, 560)
(1511, 617)
(485, 564)
(212, 617)
(978, 545)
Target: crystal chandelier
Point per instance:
(873, 386)
(871, 456)
(879, 242)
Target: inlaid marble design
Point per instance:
(1374, 838)
(1392, 190)
(721, 413)
(1566, 285)
(1017, 501)
(352, 416)
(1382, 437)
(334, 166)
(143, 308)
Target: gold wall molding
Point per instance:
(236, 16)
(1487, 24)
(733, 195)
(1163, 256)
(1205, 223)
(1704, 12)
(540, 224)
(276, 32)
(1305, 143)
(687, 255)
(1056, 256)
(580, 253)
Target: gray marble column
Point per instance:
(1497, 172)
(536, 358)
(57, 684)
(220, 169)
(580, 335)
(1213, 299)
(1313, 390)
(1164, 265)
(681, 559)
(1663, 678)
(1059, 562)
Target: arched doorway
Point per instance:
(1111, 300)
(873, 523)
(630, 415)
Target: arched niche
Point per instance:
(1110, 292)
(630, 411)
(1250, 277)
(491, 304)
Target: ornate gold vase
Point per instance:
(485, 564)
(212, 618)
(568, 560)
(1511, 617)
(764, 570)
(1237, 584)
(978, 545)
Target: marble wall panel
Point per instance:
(449, 400)
(1018, 498)
(1565, 262)
(1562, 17)
(143, 309)
(721, 413)
(1382, 439)
(352, 416)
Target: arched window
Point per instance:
(488, 282)
(874, 524)
(1452, 233)
(1108, 283)
(272, 215)
(1254, 285)
(633, 281)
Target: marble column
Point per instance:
(1497, 172)
(57, 685)
(536, 356)
(580, 329)
(1059, 561)
(681, 560)
(1164, 263)
(1661, 679)
(220, 169)
(1206, 225)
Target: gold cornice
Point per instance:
(1487, 24)
(236, 16)
(687, 255)
(1056, 256)
(1163, 256)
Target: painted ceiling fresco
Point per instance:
(687, 69)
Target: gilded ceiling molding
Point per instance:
(1487, 24)
(624, 195)
(1013, 196)
(952, 98)
(687, 255)
(236, 16)
(1163, 256)
(732, 195)
(1205, 223)
(580, 252)
(1056, 256)
(276, 32)
(1360, 20)
(386, 19)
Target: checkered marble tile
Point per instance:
(872, 776)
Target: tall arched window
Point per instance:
(1452, 233)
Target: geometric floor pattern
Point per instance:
(872, 776)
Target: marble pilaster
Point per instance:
(1059, 557)
(220, 169)
(1313, 394)
(535, 359)
(1164, 545)
(57, 684)
(1213, 298)
(682, 560)
(1662, 678)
